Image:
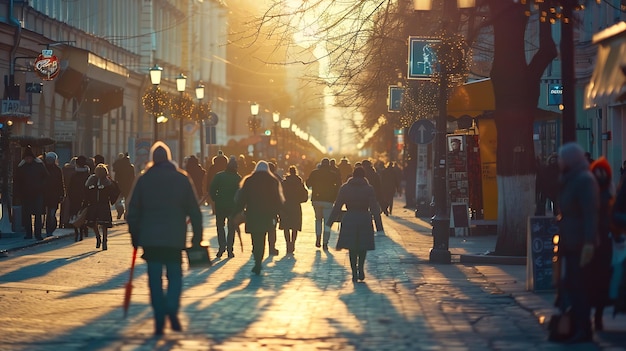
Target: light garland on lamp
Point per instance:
(201, 111)
(418, 103)
(155, 100)
(453, 57)
(182, 107)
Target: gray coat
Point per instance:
(357, 231)
(579, 199)
(159, 205)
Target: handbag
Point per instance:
(79, 219)
(198, 256)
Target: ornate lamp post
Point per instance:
(253, 124)
(285, 124)
(274, 139)
(155, 78)
(181, 85)
(200, 97)
(450, 64)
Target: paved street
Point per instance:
(62, 295)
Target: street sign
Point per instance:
(422, 131)
(422, 57)
(34, 88)
(394, 98)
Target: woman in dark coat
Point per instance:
(76, 193)
(261, 196)
(601, 262)
(357, 233)
(579, 204)
(291, 214)
(101, 193)
(390, 185)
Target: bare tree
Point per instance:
(365, 45)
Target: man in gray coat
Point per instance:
(159, 205)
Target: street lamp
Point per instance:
(181, 85)
(253, 124)
(155, 79)
(440, 252)
(274, 138)
(200, 97)
(285, 124)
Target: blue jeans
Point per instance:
(322, 212)
(164, 302)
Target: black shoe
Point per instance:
(219, 253)
(325, 247)
(256, 269)
(158, 332)
(361, 274)
(175, 323)
(98, 242)
(104, 246)
(318, 243)
(39, 238)
(231, 254)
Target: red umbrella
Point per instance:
(129, 285)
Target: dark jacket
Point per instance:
(54, 191)
(356, 232)
(374, 179)
(158, 208)
(390, 183)
(295, 194)
(76, 189)
(197, 175)
(124, 172)
(223, 189)
(100, 194)
(30, 179)
(324, 183)
(261, 197)
(579, 206)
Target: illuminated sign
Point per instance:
(422, 57)
(555, 94)
(394, 98)
(47, 65)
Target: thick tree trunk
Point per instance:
(516, 89)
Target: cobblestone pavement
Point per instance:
(64, 295)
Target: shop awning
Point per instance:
(476, 98)
(607, 84)
(472, 99)
(97, 82)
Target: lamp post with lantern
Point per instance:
(200, 111)
(274, 138)
(253, 125)
(156, 101)
(449, 63)
(181, 85)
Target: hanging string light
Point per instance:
(453, 58)
(201, 111)
(552, 10)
